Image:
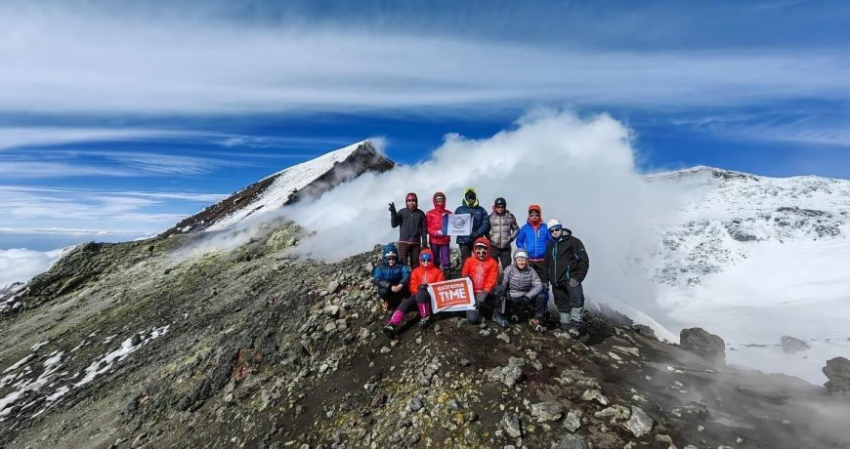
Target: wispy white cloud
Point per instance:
(46, 169)
(65, 61)
(35, 136)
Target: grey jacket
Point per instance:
(503, 230)
(521, 282)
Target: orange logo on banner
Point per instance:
(455, 294)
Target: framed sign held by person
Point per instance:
(458, 224)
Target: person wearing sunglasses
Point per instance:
(480, 223)
(520, 286)
(390, 277)
(438, 242)
(421, 276)
(483, 270)
(503, 232)
(410, 222)
(568, 265)
(534, 238)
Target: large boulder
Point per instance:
(791, 345)
(837, 370)
(704, 344)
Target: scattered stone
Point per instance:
(437, 328)
(791, 345)
(414, 405)
(590, 395)
(384, 350)
(570, 441)
(465, 362)
(363, 333)
(509, 375)
(504, 337)
(692, 408)
(837, 370)
(627, 350)
(615, 412)
(330, 327)
(704, 344)
(332, 287)
(547, 411)
(664, 439)
(331, 311)
(573, 420)
(379, 399)
(639, 423)
(512, 425)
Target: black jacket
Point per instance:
(566, 259)
(411, 225)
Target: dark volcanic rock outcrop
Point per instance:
(704, 344)
(837, 370)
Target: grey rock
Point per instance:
(331, 311)
(570, 441)
(414, 405)
(639, 423)
(791, 345)
(363, 333)
(615, 412)
(333, 286)
(837, 370)
(512, 425)
(572, 421)
(704, 344)
(594, 395)
(547, 411)
(508, 375)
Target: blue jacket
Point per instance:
(385, 276)
(480, 222)
(534, 241)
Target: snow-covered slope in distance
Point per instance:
(753, 259)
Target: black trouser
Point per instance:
(409, 303)
(465, 253)
(508, 305)
(503, 255)
(392, 298)
(409, 250)
(483, 302)
(570, 303)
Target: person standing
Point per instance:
(438, 242)
(480, 223)
(534, 238)
(568, 265)
(411, 232)
(390, 277)
(483, 270)
(503, 231)
(421, 276)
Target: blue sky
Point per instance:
(118, 118)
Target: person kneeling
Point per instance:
(421, 276)
(483, 270)
(520, 286)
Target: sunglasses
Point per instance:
(534, 214)
(425, 258)
(552, 231)
(440, 201)
(411, 201)
(480, 250)
(500, 206)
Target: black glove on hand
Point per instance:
(392, 208)
(574, 283)
(423, 286)
(384, 284)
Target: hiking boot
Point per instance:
(537, 325)
(385, 306)
(502, 321)
(425, 322)
(574, 332)
(389, 330)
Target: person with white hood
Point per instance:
(568, 265)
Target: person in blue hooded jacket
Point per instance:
(391, 278)
(480, 223)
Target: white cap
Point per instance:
(553, 224)
(520, 253)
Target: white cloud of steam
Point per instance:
(581, 171)
(20, 265)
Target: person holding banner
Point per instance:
(483, 270)
(438, 240)
(480, 223)
(410, 222)
(390, 277)
(568, 265)
(423, 275)
(520, 285)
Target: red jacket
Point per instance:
(434, 224)
(425, 275)
(484, 273)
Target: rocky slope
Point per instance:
(122, 346)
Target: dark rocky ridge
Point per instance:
(265, 351)
(364, 159)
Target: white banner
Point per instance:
(452, 296)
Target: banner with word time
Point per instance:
(452, 296)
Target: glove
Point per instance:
(574, 283)
(423, 286)
(383, 284)
(392, 208)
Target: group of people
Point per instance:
(546, 254)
